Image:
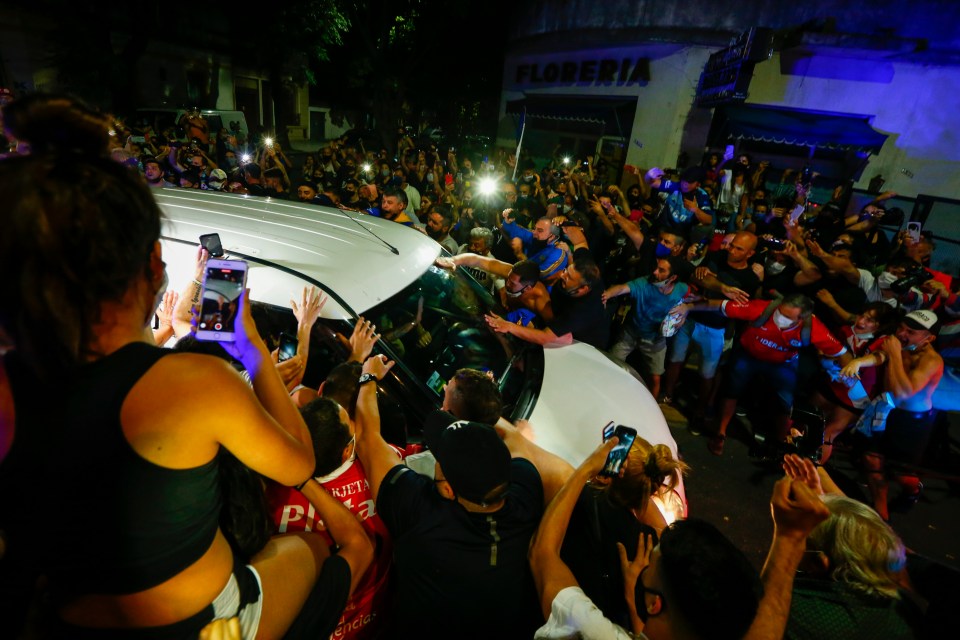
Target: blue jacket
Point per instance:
(551, 259)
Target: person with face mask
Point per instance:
(539, 245)
(726, 274)
(913, 369)
(653, 297)
(842, 399)
(768, 351)
(343, 476)
(575, 299)
(519, 284)
(691, 583)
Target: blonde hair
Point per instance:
(647, 468)
(865, 553)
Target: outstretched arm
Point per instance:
(374, 452)
(550, 573)
(797, 510)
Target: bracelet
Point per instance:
(197, 282)
(300, 486)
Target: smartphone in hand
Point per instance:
(618, 454)
(223, 284)
(288, 346)
(211, 242)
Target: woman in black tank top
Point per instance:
(109, 485)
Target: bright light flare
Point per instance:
(566, 160)
(268, 142)
(670, 504)
(245, 158)
(487, 186)
(366, 168)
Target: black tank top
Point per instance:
(79, 504)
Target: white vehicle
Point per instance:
(385, 272)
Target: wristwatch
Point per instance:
(367, 377)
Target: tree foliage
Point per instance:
(419, 62)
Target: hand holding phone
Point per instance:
(913, 231)
(223, 284)
(617, 455)
(796, 213)
(211, 242)
(288, 347)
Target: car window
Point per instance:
(435, 326)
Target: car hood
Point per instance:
(573, 408)
(582, 405)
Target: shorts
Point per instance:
(709, 340)
(905, 437)
(242, 597)
(653, 353)
(745, 369)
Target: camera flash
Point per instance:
(245, 158)
(366, 168)
(487, 186)
(566, 160)
(268, 141)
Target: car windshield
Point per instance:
(435, 326)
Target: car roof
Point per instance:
(335, 249)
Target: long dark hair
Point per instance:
(78, 230)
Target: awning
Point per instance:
(800, 127)
(614, 115)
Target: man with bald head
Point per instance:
(722, 274)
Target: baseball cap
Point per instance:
(921, 319)
(474, 458)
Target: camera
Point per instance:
(774, 244)
(913, 277)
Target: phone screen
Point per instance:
(618, 454)
(288, 346)
(913, 230)
(220, 304)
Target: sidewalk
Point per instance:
(732, 491)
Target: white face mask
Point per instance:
(776, 267)
(663, 284)
(782, 321)
(885, 279)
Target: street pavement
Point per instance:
(733, 492)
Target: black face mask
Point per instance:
(536, 246)
(640, 599)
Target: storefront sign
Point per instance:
(622, 71)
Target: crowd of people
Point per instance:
(207, 492)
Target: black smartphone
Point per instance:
(617, 455)
(211, 242)
(288, 346)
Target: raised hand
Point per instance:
(362, 340)
(311, 303)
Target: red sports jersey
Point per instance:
(869, 377)
(771, 344)
(291, 511)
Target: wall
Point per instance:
(915, 104)
(663, 104)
